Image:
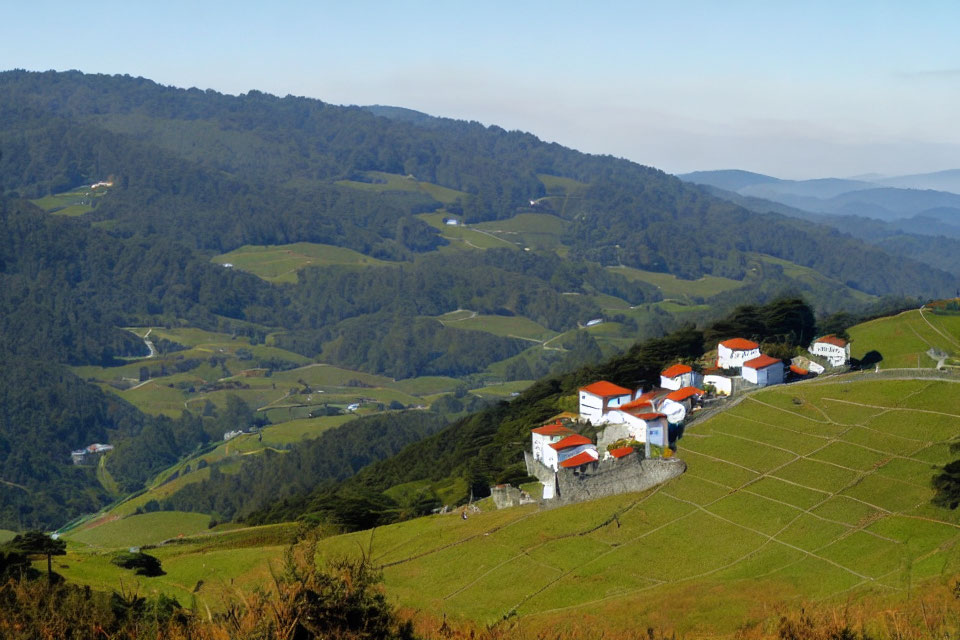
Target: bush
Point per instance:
(143, 564)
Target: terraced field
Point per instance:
(903, 340)
(812, 491)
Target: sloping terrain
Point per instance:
(810, 492)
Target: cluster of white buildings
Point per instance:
(646, 416)
(90, 454)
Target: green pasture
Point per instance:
(143, 529)
(287, 433)
(507, 326)
(556, 185)
(904, 339)
(382, 182)
(673, 287)
(463, 237)
(780, 500)
(504, 389)
(70, 203)
(817, 491)
(426, 385)
(280, 263)
(6, 535)
(538, 231)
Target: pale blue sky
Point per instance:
(800, 89)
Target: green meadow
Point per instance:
(143, 529)
(904, 339)
(464, 237)
(280, 263)
(818, 491)
(673, 287)
(537, 231)
(70, 203)
(509, 326)
(810, 492)
(378, 181)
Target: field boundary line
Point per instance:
(950, 339)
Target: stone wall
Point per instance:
(611, 477)
(505, 495)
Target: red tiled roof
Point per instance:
(800, 371)
(682, 394)
(740, 344)
(553, 430)
(639, 403)
(579, 459)
(676, 370)
(834, 340)
(606, 389)
(571, 441)
(622, 451)
(762, 362)
(646, 398)
(651, 416)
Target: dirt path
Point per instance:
(949, 338)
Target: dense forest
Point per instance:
(197, 173)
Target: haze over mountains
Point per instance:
(916, 215)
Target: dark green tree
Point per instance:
(37, 543)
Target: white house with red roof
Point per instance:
(573, 445)
(731, 354)
(678, 376)
(835, 350)
(642, 424)
(677, 404)
(598, 398)
(763, 371)
(543, 437)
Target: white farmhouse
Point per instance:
(545, 436)
(731, 354)
(598, 398)
(834, 349)
(678, 376)
(763, 371)
(571, 446)
(642, 425)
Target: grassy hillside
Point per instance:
(817, 492)
(814, 491)
(673, 287)
(280, 263)
(903, 340)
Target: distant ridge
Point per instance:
(730, 179)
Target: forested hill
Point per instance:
(257, 169)
(195, 174)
